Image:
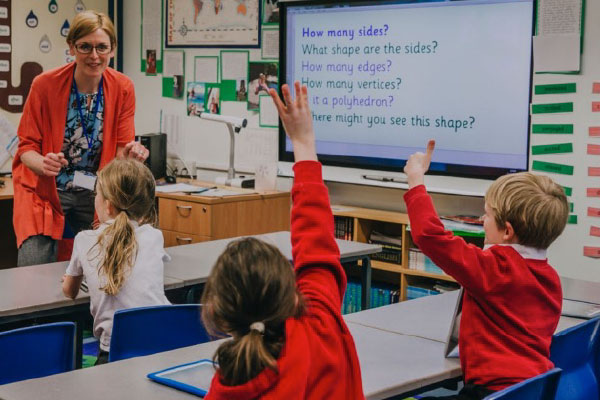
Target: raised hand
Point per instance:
(417, 164)
(135, 151)
(297, 120)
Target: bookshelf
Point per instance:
(363, 221)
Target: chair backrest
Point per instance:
(148, 330)
(37, 351)
(574, 350)
(541, 387)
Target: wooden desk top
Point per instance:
(6, 192)
(241, 194)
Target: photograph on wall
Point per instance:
(270, 12)
(261, 77)
(213, 99)
(150, 62)
(173, 74)
(218, 23)
(234, 66)
(195, 98)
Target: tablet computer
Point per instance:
(451, 350)
(194, 377)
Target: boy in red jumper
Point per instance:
(289, 340)
(512, 296)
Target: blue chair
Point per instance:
(148, 330)
(574, 350)
(541, 387)
(37, 351)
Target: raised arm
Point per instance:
(315, 252)
(464, 262)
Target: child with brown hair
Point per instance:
(289, 338)
(122, 260)
(512, 296)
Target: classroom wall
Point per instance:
(207, 144)
(26, 40)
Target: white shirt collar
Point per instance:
(527, 252)
(131, 221)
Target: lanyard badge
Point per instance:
(89, 134)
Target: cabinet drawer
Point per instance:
(177, 238)
(185, 217)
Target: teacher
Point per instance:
(76, 119)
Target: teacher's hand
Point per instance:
(52, 163)
(135, 151)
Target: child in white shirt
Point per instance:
(121, 260)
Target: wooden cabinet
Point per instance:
(186, 219)
(364, 221)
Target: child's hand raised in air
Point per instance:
(297, 120)
(417, 165)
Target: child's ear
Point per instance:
(110, 209)
(509, 235)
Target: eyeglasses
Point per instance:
(86, 48)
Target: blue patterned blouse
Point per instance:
(75, 144)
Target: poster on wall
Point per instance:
(262, 76)
(173, 74)
(151, 50)
(218, 23)
(44, 25)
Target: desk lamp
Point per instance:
(234, 124)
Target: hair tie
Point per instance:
(258, 326)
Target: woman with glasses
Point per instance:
(76, 119)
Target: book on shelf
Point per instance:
(381, 294)
(417, 290)
(461, 228)
(420, 262)
(391, 247)
(343, 227)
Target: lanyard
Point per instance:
(88, 136)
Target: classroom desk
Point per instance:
(389, 365)
(392, 362)
(35, 291)
(426, 317)
(192, 263)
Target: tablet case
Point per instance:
(194, 377)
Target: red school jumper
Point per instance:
(318, 359)
(511, 304)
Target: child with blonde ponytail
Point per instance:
(121, 260)
(289, 340)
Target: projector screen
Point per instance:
(384, 77)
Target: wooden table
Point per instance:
(29, 293)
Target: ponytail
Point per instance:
(128, 186)
(244, 357)
(119, 247)
(250, 294)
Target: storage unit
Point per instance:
(186, 219)
(364, 221)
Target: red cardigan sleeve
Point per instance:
(31, 126)
(126, 120)
(477, 270)
(320, 276)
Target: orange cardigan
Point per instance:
(37, 209)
